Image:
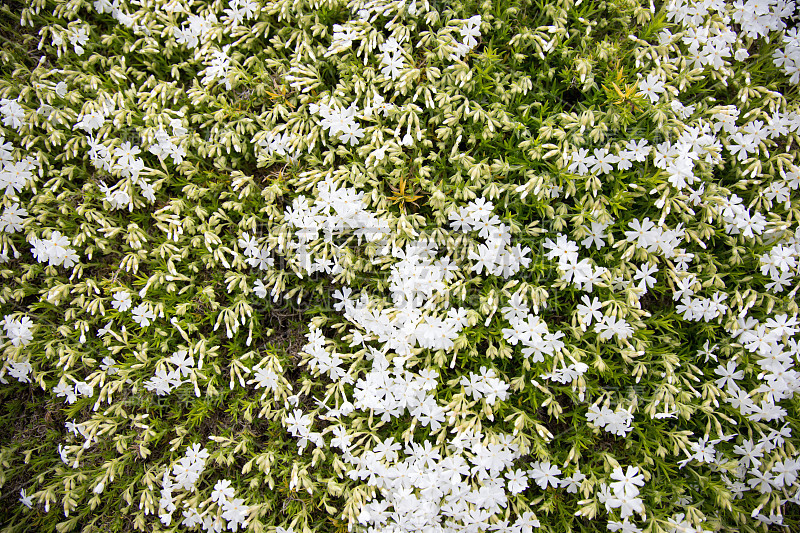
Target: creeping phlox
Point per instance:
(226, 511)
(55, 250)
(621, 186)
(165, 381)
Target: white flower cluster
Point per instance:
(335, 209)
(77, 35)
(93, 120)
(406, 326)
(20, 370)
(678, 160)
(343, 37)
(167, 380)
(751, 452)
(186, 472)
(339, 122)
(71, 393)
(485, 385)
(55, 251)
(781, 263)
(788, 57)
(418, 275)
(655, 238)
(569, 374)
(127, 164)
(711, 45)
(617, 421)
(531, 332)
(13, 114)
(581, 273)
(775, 357)
(496, 254)
(344, 144)
(581, 163)
(15, 175)
(279, 144)
(299, 426)
(268, 374)
(196, 30)
(321, 360)
(114, 9)
(426, 491)
(229, 512)
(166, 145)
(18, 330)
(118, 196)
(470, 33)
(219, 66)
(389, 394)
(701, 308)
(738, 219)
(623, 494)
(257, 256)
(239, 11)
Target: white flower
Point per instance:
(573, 482)
(108, 365)
(13, 217)
(196, 454)
(78, 38)
(393, 63)
(142, 315)
(517, 481)
(61, 89)
(160, 383)
(191, 518)
(90, 122)
(545, 474)
(18, 330)
(627, 482)
(265, 378)
(471, 31)
(183, 362)
(122, 301)
(222, 491)
(235, 512)
(652, 87)
(84, 389)
(25, 499)
(14, 176)
(61, 390)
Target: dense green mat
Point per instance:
(293, 266)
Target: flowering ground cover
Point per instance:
(399, 266)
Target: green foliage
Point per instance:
(499, 123)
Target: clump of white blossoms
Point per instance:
(13, 113)
(55, 250)
(500, 268)
(170, 374)
(18, 330)
(623, 494)
(617, 421)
